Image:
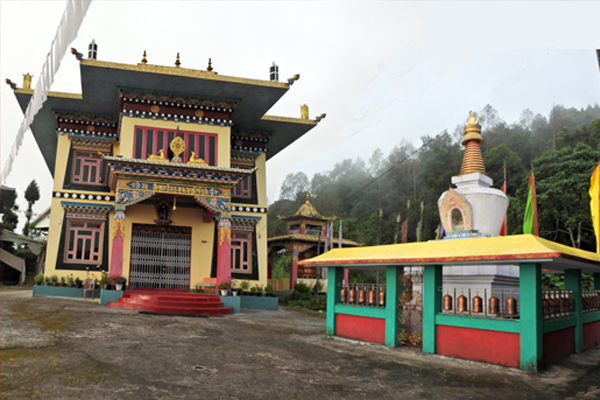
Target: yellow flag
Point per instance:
(595, 203)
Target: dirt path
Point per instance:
(55, 348)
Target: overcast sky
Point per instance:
(382, 71)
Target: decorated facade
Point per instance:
(159, 173)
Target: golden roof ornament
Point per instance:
(472, 159)
(144, 60)
(177, 62)
(209, 68)
(307, 209)
(27, 81)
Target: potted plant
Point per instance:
(47, 281)
(119, 281)
(259, 290)
(78, 283)
(63, 281)
(104, 280)
(234, 290)
(70, 280)
(54, 280)
(39, 278)
(244, 286)
(269, 291)
(224, 287)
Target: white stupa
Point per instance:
(475, 209)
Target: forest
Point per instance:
(562, 149)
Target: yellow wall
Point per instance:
(128, 124)
(62, 158)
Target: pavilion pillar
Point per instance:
(294, 268)
(224, 251)
(333, 297)
(597, 281)
(118, 238)
(391, 304)
(573, 282)
(531, 327)
(432, 304)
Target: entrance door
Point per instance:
(160, 257)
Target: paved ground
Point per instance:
(53, 348)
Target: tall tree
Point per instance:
(32, 194)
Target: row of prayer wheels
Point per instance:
(591, 300)
(362, 296)
(462, 304)
(557, 302)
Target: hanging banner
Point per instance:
(65, 35)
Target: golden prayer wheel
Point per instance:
(546, 305)
(511, 305)
(381, 298)
(477, 304)
(447, 302)
(554, 304)
(352, 296)
(493, 305)
(372, 297)
(343, 295)
(461, 303)
(562, 304)
(361, 296)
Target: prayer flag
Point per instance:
(340, 235)
(405, 231)
(503, 229)
(595, 204)
(530, 217)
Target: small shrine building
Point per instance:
(160, 172)
(305, 239)
(474, 295)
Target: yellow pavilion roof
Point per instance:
(493, 250)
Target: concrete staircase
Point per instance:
(171, 302)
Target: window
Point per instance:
(241, 252)
(86, 168)
(84, 241)
(150, 141)
(243, 189)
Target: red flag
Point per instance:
(503, 229)
(405, 231)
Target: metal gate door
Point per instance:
(410, 307)
(160, 257)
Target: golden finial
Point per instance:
(144, 61)
(209, 68)
(472, 159)
(177, 63)
(304, 111)
(307, 196)
(27, 81)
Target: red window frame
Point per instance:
(244, 188)
(84, 241)
(241, 252)
(86, 168)
(156, 147)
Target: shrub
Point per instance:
(39, 278)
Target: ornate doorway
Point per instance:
(160, 257)
(410, 307)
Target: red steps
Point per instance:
(171, 302)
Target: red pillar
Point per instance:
(346, 275)
(224, 252)
(116, 254)
(294, 269)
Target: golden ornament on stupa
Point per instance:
(472, 159)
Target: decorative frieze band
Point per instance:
(261, 210)
(85, 196)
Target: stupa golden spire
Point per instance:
(472, 159)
